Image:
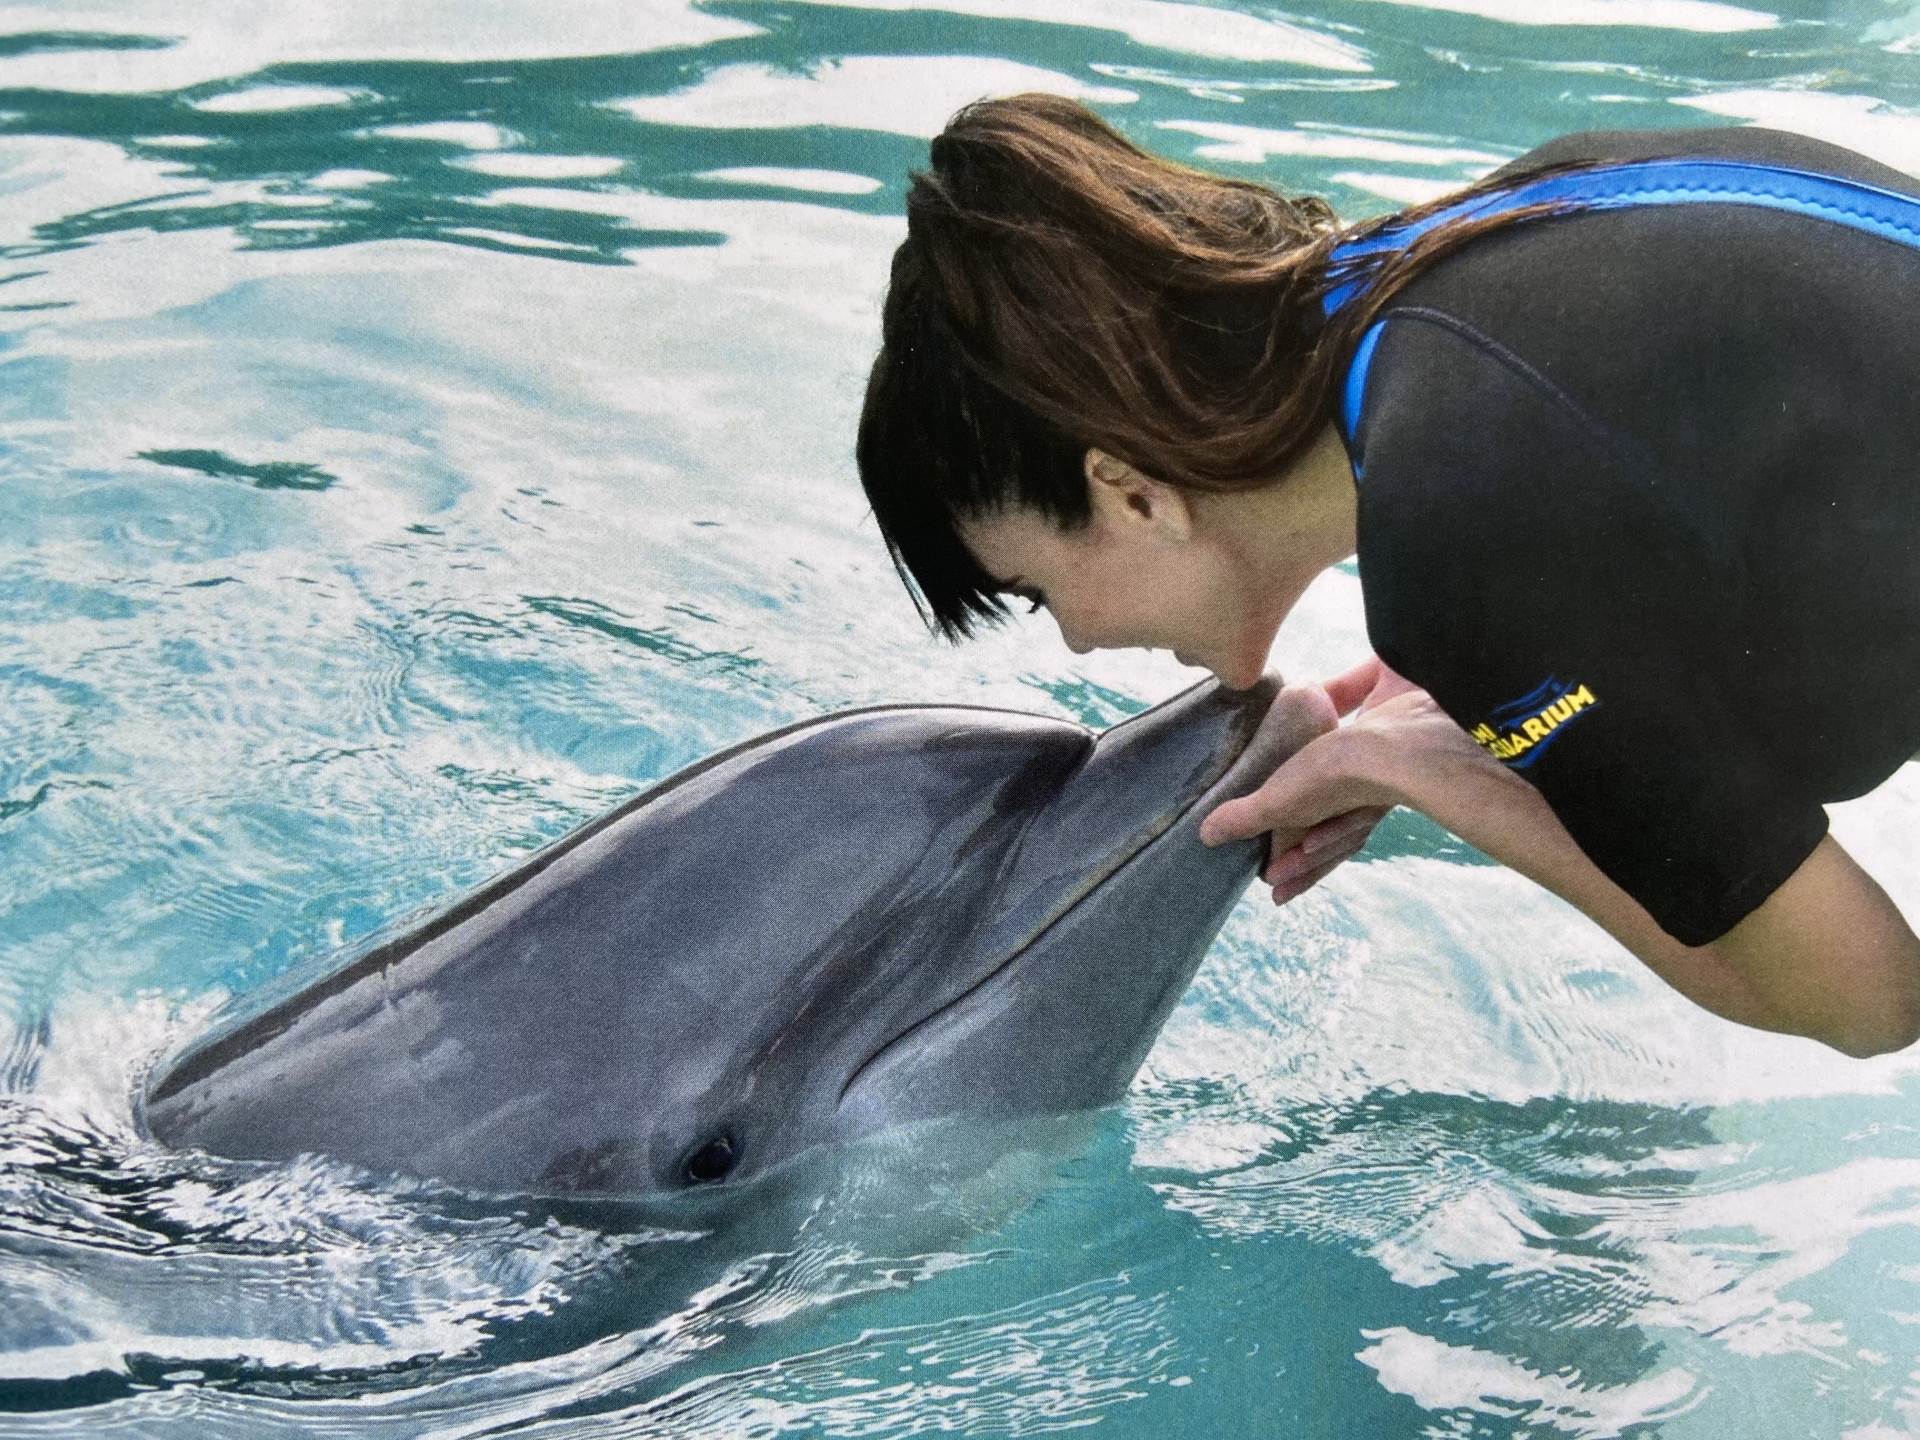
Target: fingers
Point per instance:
(1250, 815)
(1328, 843)
(1273, 807)
(1321, 851)
(1291, 865)
(1349, 688)
(1298, 886)
(1355, 825)
(1391, 683)
(1307, 790)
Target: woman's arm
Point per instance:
(1827, 955)
(1830, 952)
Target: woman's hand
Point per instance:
(1321, 805)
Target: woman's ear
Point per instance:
(1125, 498)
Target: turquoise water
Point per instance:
(416, 437)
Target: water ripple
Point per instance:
(418, 438)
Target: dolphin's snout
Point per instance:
(1092, 935)
(1211, 744)
(1191, 742)
(1282, 721)
(1144, 789)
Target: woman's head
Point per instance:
(1064, 296)
(1157, 567)
(1061, 290)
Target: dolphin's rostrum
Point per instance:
(886, 915)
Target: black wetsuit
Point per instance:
(1639, 500)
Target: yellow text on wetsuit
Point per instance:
(1529, 732)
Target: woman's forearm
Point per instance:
(1827, 955)
(1499, 813)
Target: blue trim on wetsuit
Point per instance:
(1853, 203)
(1357, 377)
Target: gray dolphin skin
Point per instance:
(883, 916)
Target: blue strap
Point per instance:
(1357, 377)
(1853, 203)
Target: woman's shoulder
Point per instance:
(1754, 143)
(1737, 345)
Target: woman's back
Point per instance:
(1673, 448)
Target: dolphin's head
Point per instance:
(900, 914)
(888, 915)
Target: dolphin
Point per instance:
(883, 916)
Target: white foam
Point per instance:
(1701, 16)
(463, 134)
(1864, 123)
(270, 99)
(1441, 1377)
(825, 182)
(1185, 29)
(212, 40)
(523, 166)
(1255, 144)
(1399, 189)
(901, 94)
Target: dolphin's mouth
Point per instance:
(1254, 746)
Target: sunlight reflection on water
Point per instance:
(421, 432)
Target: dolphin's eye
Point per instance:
(712, 1161)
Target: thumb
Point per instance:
(1225, 821)
(1349, 688)
(1248, 816)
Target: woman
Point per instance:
(1629, 454)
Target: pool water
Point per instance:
(418, 435)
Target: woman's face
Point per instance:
(1139, 574)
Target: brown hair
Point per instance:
(1060, 288)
